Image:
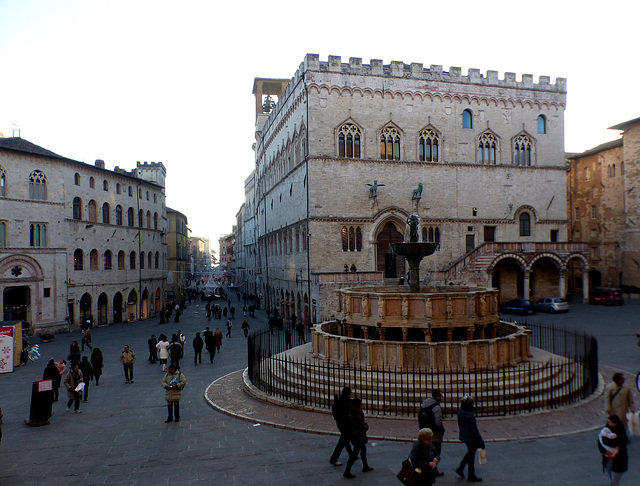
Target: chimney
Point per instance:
(100, 164)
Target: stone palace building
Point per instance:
(350, 150)
(78, 240)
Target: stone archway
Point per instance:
(507, 275)
(386, 261)
(145, 304)
(103, 303)
(117, 308)
(85, 306)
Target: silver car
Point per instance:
(551, 304)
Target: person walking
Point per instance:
(470, 435)
(97, 362)
(51, 373)
(176, 350)
(173, 383)
(612, 443)
(618, 399)
(340, 412)
(430, 416)
(424, 457)
(229, 326)
(300, 329)
(210, 344)
(87, 375)
(153, 350)
(358, 428)
(245, 328)
(127, 358)
(218, 337)
(86, 338)
(74, 353)
(198, 344)
(72, 382)
(163, 351)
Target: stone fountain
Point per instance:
(414, 251)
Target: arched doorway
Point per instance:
(117, 308)
(85, 307)
(387, 262)
(544, 279)
(145, 304)
(16, 303)
(158, 301)
(132, 306)
(103, 303)
(508, 277)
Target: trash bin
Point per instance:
(41, 403)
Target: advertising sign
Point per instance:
(6, 349)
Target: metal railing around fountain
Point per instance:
(569, 377)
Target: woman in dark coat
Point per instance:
(74, 353)
(470, 435)
(97, 364)
(51, 373)
(612, 442)
(424, 457)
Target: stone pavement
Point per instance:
(121, 437)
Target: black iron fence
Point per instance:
(568, 376)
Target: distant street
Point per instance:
(121, 438)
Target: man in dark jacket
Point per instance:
(198, 344)
(176, 350)
(430, 416)
(210, 344)
(340, 412)
(358, 427)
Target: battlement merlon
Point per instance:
(435, 72)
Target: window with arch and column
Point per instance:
(431, 234)
(38, 235)
(349, 141)
(525, 224)
(390, 143)
(119, 215)
(351, 238)
(487, 149)
(428, 145)
(522, 151)
(37, 186)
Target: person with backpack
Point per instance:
(340, 411)
(430, 417)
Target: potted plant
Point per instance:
(46, 336)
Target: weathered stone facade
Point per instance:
(78, 240)
(604, 207)
(350, 150)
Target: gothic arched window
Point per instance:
(428, 145)
(522, 151)
(37, 186)
(487, 149)
(390, 143)
(349, 140)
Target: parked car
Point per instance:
(551, 304)
(606, 296)
(518, 306)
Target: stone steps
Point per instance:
(400, 393)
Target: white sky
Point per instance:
(153, 80)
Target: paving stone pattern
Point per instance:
(121, 438)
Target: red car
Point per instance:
(606, 296)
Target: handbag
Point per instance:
(482, 457)
(408, 474)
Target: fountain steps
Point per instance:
(316, 385)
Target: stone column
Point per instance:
(527, 282)
(585, 285)
(470, 331)
(562, 286)
(405, 334)
(383, 331)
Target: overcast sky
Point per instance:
(153, 80)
